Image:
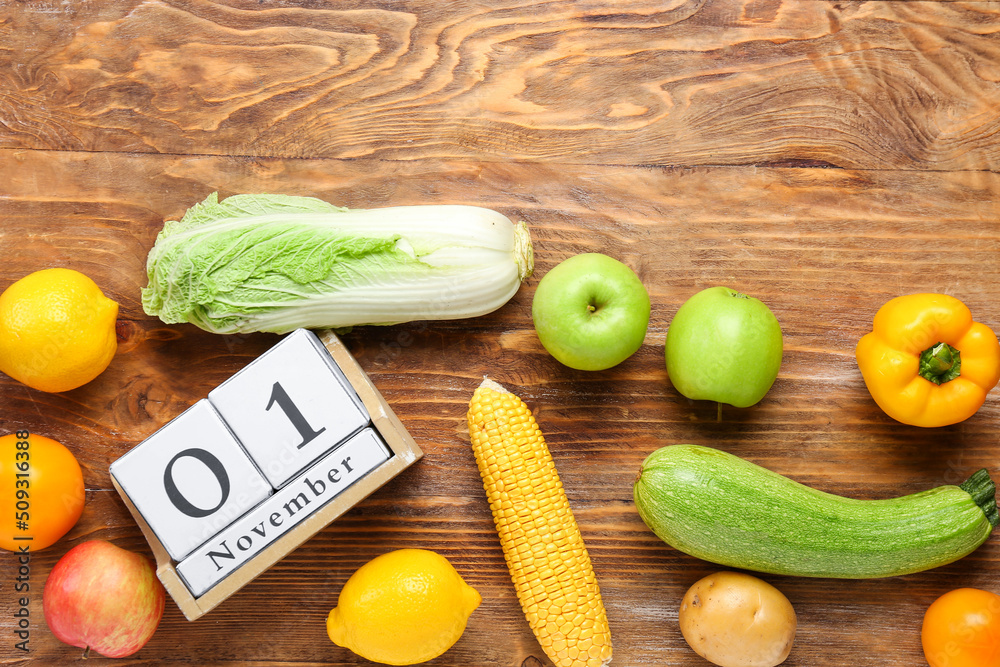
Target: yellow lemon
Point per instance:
(402, 608)
(57, 330)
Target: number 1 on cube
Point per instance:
(284, 401)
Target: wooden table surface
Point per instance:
(822, 156)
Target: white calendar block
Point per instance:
(293, 504)
(290, 406)
(190, 479)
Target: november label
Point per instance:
(282, 511)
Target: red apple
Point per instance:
(105, 598)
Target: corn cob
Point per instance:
(541, 541)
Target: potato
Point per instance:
(735, 620)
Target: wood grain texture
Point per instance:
(823, 247)
(897, 85)
(822, 156)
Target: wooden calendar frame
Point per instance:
(405, 453)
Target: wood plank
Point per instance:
(823, 247)
(865, 85)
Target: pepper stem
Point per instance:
(940, 363)
(983, 491)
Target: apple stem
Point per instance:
(86, 652)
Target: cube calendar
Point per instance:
(270, 457)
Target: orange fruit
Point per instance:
(962, 629)
(57, 330)
(41, 491)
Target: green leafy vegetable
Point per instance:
(278, 262)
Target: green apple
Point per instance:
(591, 312)
(723, 346)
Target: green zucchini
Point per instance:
(724, 509)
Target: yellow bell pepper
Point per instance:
(926, 362)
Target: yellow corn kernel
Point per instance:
(541, 542)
